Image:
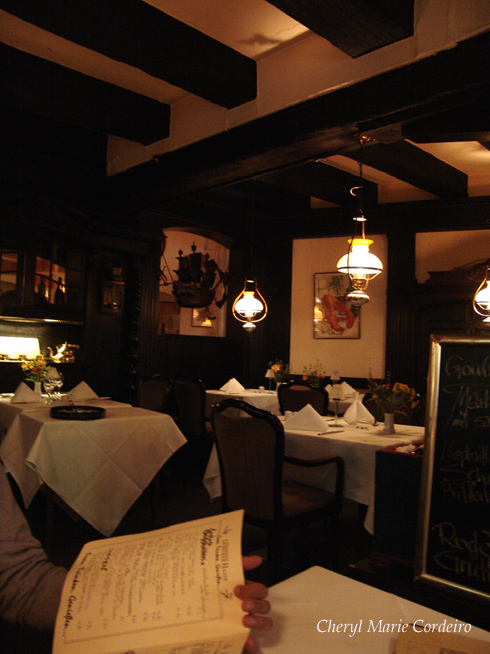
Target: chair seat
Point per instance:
(298, 498)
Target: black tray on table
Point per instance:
(76, 412)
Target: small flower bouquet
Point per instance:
(36, 370)
(280, 370)
(392, 398)
(313, 374)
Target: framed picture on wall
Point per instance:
(202, 317)
(333, 314)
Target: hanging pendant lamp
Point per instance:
(249, 307)
(481, 299)
(360, 264)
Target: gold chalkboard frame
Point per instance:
(433, 381)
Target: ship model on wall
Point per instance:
(198, 279)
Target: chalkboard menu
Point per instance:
(454, 520)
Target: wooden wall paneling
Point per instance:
(277, 290)
(131, 328)
(212, 359)
(150, 265)
(400, 325)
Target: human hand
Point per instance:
(253, 599)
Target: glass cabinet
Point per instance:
(45, 281)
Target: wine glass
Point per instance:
(49, 388)
(55, 380)
(58, 382)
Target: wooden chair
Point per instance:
(293, 395)
(189, 396)
(154, 393)
(250, 446)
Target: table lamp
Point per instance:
(336, 395)
(335, 377)
(270, 375)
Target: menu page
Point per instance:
(430, 642)
(168, 590)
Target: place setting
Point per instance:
(309, 420)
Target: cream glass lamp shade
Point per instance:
(361, 266)
(359, 261)
(270, 374)
(481, 299)
(249, 307)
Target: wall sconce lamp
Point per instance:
(249, 307)
(360, 264)
(481, 299)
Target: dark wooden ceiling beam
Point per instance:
(317, 128)
(148, 39)
(412, 165)
(49, 90)
(354, 26)
(469, 122)
(323, 181)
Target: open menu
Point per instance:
(166, 591)
(435, 642)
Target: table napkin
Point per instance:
(306, 419)
(81, 391)
(23, 394)
(348, 390)
(357, 412)
(232, 386)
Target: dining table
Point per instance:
(97, 467)
(357, 444)
(260, 398)
(319, 610)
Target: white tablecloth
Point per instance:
(98, 467)
(266, 400)
(357, 445)
(9, 411)
(302, 601)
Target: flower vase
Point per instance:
(38, 388)
(389, 420)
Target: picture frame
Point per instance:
(202, 318)
(333, 315)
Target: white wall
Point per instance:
(355, 358)
(351, 357)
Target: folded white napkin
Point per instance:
(357, 412)
(82, 391)
(328, 388)
(307, 419)
(348, 390)
(232, 386)
(24, 394)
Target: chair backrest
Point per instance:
(250, 446)
(293, 395)
(190, 402)
(154, 392)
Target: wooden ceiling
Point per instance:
(279, 164)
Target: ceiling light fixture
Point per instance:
(360, 264)
(249, 307)
(481, 299)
